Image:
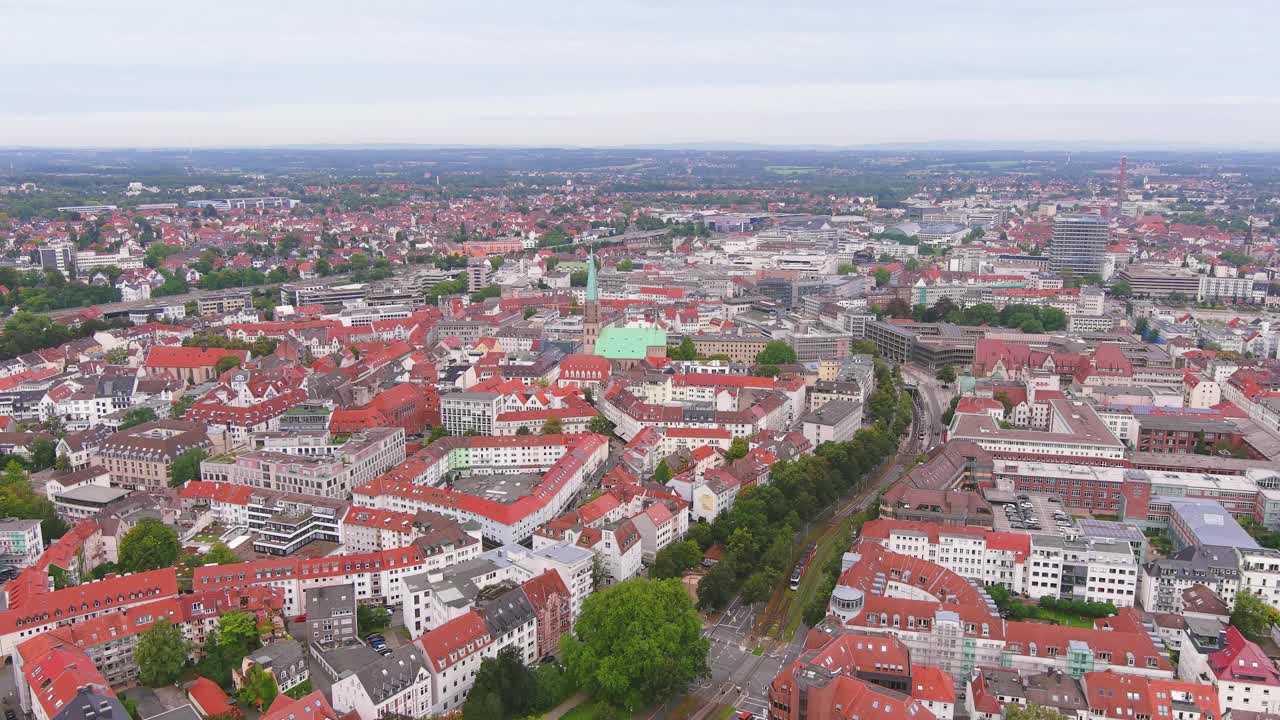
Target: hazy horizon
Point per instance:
(639, 74)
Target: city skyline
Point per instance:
(637, 74)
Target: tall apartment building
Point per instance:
(140, 457)
(479, 273)
(20, 541)
(463, 411)
(1078, 244)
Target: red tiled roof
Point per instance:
(162, 356)
(311, 707)
(1242, 661)
(447, 644)
(210, 698)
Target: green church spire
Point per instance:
(591, 276)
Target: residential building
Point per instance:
(20, 542)
(141, 457)
(331, 614)
(396, 685)
(835, 421)
(284, 660)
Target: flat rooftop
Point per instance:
(504, 489)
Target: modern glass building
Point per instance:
(1079, 244)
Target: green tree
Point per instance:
(674, 559)
(947, 374)
(149, 545)
(552, 426)
(19, 500)
(62, 464)
(758, 586)
(882, 276)
(600, 425)
(186, 467)
(1015, 711)
(636, 643)
(137, 416)
(160, 654)
(523, 430)
(1252, 617)
(864, 347)
(372, 618)
(1122, 289)
(225, 363)
(737, 449)
(776, 352)
(437, 432)
(625, 265)
(43, 454)
(238, 632)
(1053, 319)
(684, 351)
(258, 687)
(716, 588)
(662, 473)
(503, 685)
(220, 554)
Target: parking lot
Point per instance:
(1034, 514)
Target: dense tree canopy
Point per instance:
(160, 654)
(674, 559)
(186, 467)
(1252, 617)
(148, 545)
(18, 500)
(636, 643)
(776, 352)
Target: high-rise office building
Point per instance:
(479, 273)
(1079, 244)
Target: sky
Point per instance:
(145, 73)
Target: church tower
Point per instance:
(591, 310)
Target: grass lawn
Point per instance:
(758, 651)
(1062, 618)
(790, 169)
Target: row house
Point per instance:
(507, 512)
(376, 577)
(32, 608)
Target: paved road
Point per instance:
(739, 677)
(934, 400)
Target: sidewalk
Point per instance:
(572, 702)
